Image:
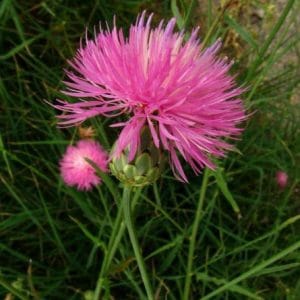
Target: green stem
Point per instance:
(115, 238)
(134, 242)
(192, 244)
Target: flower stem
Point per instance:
(117, 232)
(115, 238)
(134, 242)
(195, 227)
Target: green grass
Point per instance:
(57, 243)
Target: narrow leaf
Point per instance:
(177, 14)
(222, 184)
(243, 33)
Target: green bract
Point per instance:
(144, 169)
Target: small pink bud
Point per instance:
(74, 168)
(281, 179)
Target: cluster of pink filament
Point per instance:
(75, 168)
(156, 78)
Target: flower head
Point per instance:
(181, 92)
(281, 179)
(76, 170)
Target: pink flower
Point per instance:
(182, 92)
(281, 179)
(74, 168)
